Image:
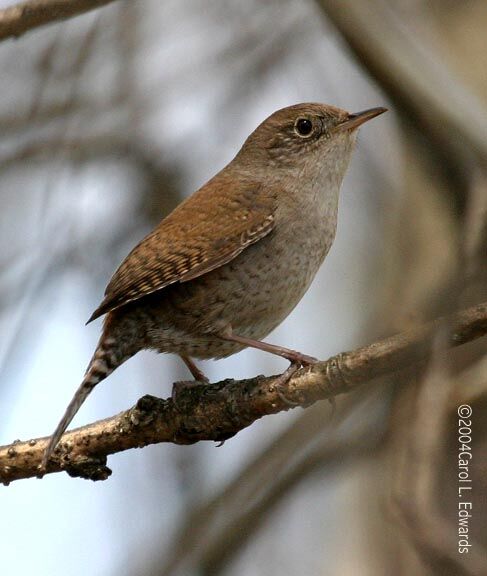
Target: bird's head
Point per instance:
(309, 140)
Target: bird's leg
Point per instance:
(297, 359)
(195, 371)
(291, 355)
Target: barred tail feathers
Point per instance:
(106, 359)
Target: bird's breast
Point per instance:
(259, 288)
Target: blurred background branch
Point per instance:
(19, 19)
(414, 77)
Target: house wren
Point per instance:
(232, 261)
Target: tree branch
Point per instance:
(218, 411)
(20, 18)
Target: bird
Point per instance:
(231, 262)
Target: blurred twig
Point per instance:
(414, 77)
(475, 233)
(19, 19)
(471, 383)
(15, 124)
(326, 456)
(218, 411)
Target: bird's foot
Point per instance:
(298, 361)
(282, 380)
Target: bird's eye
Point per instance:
(303, 127)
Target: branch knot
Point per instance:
(337, 375)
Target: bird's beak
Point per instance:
(353, 121)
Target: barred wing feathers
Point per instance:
(205, 232)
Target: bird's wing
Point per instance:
(206, 231)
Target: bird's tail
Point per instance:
(106, 358)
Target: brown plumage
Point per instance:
(184, 245)
(233, 260)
